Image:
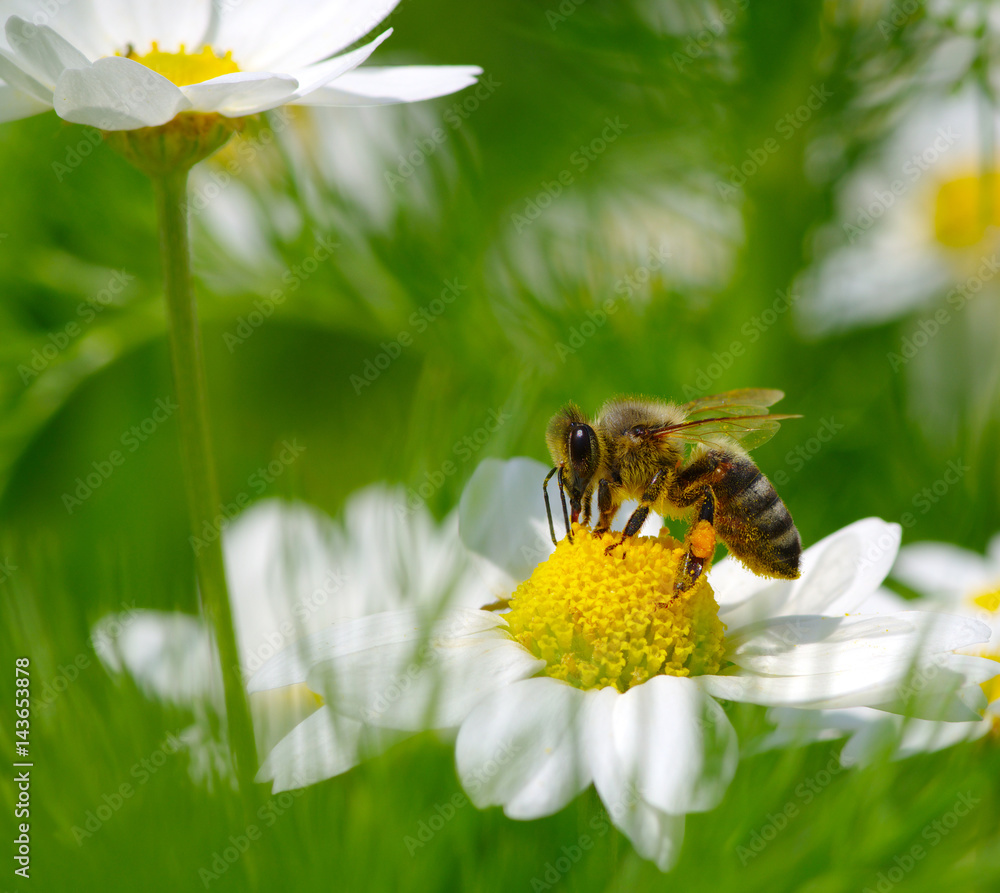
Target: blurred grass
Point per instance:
(495, 347)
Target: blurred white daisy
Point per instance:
(121, 65)
(624, 242)
(292, 571)
(949, 579)
(596, 675)
(916, 227)
(341, 157)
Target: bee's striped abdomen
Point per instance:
(752, 520)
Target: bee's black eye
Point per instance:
(581, 441)
(639, 431)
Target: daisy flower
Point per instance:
(948, 578)
(121, 65)
(293, 570)
(168, 84)
(596, 675)
(917, 222)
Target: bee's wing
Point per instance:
(748, 431)
(741, 402)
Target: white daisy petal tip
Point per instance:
(501, 514)
(43, 50)
(322, 746)
(372, 85)
(411, 686)
(943, 570)
(523, 750)
(668, 714)
(407, 628)
(837, 574)
(871, 544)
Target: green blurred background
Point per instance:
(591, 171)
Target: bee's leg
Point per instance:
(548, 508)
(605, 506)
(562, 497)
(654, 489)
(700, 540)
(588, 508)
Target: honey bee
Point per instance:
(635, 449)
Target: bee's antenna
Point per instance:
(548, 508)
(562, 496)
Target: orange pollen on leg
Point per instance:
(703, 540)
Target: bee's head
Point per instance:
(576, 449)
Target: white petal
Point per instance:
(375, 631)
(23, 82)
(993, 556)
(875, 741)
(284, 578)
(320, 747)
(169, 654)
(321, 73)
(241, 93)
(885, 601)
(733, 583)
(676, 743)
(43, 52)
(847, 719)
(796, 727)
(904, 738)
(126, 22)
(838, 573)
(522, 748)
(925, 736)
(655, 834)
(294, 570)
(798, 646)
(843, 569)
(946, 688)
(403, 83)
(267, 36)
(942, 570)
(279, 710)
(401, 687)
(926, 692)
(502, 515)
(15, 104)
(116, 93)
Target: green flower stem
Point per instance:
(199, 470)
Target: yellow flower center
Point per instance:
(965, 208)
(190, 136)
(184, 68)
(989, 600)
(599, 620)
(991, 687)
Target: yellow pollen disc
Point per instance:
(965, 208)
(991, 688)
(988, 600)
(600, 620)
(183, 68)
